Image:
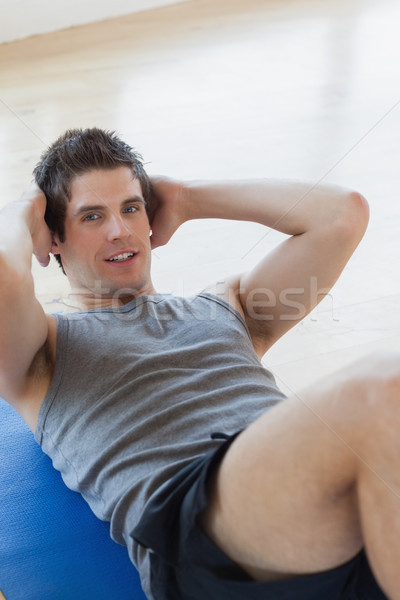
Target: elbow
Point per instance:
(353, 217)
(360, 207)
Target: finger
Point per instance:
(154, 242)
(33, 191)
(158, 240)
(43, 260)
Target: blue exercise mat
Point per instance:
(51, 545)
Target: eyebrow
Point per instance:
(93, 207)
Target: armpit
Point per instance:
(42, 364)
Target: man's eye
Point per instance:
(91, 217)
(130, 209)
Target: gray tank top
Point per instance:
(137, 390)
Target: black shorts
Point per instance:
(187, 565)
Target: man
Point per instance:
(158, 410)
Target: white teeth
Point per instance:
(123, 256)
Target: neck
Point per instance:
(81, 300)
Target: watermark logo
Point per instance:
(259, 304)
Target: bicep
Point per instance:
(290, 281)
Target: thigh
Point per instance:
(185, 563)
(284, 501)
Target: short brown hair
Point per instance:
(74, 153)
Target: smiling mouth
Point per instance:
(121, 257)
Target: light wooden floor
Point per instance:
(226, 88)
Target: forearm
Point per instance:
(288, 206)
(23, 324)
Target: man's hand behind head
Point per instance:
(42, 239)
(167, 210)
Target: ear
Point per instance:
(55, 245)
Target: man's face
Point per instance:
(107, 236)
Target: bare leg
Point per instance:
(310, 483)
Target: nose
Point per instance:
(117, 228)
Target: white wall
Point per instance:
(23, 18)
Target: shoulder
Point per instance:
(229, 290)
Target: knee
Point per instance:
(377, 381)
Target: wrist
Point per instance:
(184, 202)
(193, 200)
(204, 200)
